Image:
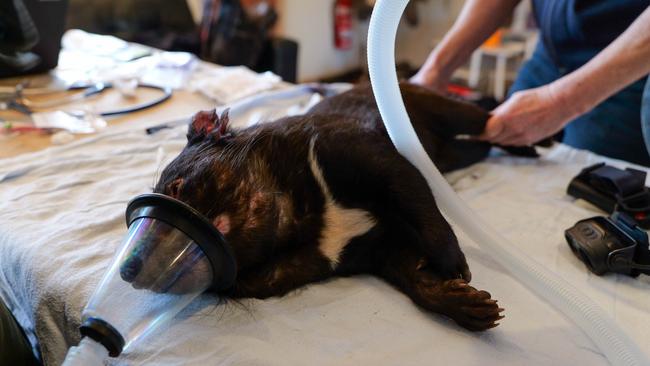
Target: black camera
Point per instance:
(611, 244)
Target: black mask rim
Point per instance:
(193, 224)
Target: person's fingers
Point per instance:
(504, 138)
(431, 79)
(515, 140)
(422, 79)
(493, 129)
(416, 79)
(501, 132)
(524, 138)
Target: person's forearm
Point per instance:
(477, 21)
(624, 61)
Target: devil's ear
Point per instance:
(224, 123)
(202, 124)
(208, 124)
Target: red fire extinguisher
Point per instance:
(343, 35)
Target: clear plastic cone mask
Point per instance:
(170, 256)
(163, 259)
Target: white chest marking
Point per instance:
(340, 224)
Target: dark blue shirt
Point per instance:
(574, 31)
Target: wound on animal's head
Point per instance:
(208, 124)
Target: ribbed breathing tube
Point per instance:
(615, 344)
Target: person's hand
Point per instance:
(528, 117)
(431, 79)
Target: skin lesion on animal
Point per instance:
(306, 198)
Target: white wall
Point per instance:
(436, 17)
(310, 22)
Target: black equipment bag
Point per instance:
(30, 35)
(232, 36)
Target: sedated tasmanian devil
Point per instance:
(326, 194)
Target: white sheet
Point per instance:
(62, 217)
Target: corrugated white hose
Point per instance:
(87, 353)
(605, 333)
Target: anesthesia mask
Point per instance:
(170, 255)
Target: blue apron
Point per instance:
(572, 33)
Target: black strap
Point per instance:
(612, 189)
(642, 250)
(623, 183)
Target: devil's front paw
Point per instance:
(469, 307)
(450, 264)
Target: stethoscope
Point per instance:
(19, 98)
